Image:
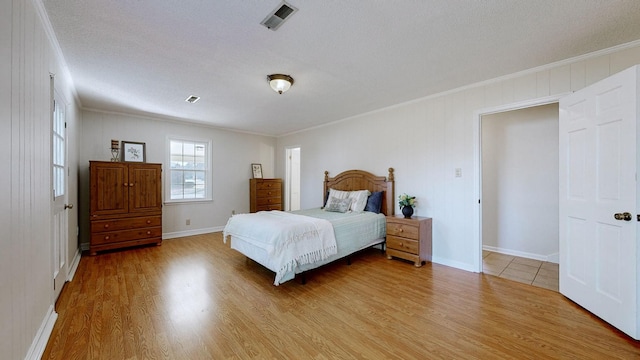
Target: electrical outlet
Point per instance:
(188, 221)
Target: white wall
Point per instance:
(232, 154)
(27, 57)
(520, 182)
(427, 139)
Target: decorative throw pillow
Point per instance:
(338, 194)
(374, 203)
(359, 199)
(338, 205)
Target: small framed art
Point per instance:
(257, 171)
(133, 151)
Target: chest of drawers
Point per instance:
(409, 239)
(265, 194)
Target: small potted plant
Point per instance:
(407, 204)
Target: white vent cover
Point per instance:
(192, 99)
(277, 17)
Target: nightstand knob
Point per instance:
(400, 244)
(106, 237)
(400, 230)
(106, 226)
(148, 232)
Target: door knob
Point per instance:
(68, 206)
(623, 216)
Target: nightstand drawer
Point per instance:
(403, 230)
(402, 244)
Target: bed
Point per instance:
(290, 243)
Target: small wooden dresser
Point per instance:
(126, 205)
(265, 194)
(409, 239)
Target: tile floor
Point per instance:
(538, 273)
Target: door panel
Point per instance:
(112, 179)
(598, 253)
(145, 188)
(59, 185)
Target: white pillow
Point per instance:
(338, 205)
(359, 199)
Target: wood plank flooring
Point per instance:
(195, 298)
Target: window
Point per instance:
(189, 171)
(58, 154)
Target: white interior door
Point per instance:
(59, 179)
(598, 249)
(292, 183)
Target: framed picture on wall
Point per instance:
(257, 171)
(133, 151)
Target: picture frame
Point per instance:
(257, 171)
(133, 151)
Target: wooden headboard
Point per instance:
(351, 180)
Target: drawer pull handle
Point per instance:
(148, 232)
(106, 226)
(148, 221)
(400, 230)
(106, 237)
(400, 244)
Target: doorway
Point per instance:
(517, 188)
(292, 179)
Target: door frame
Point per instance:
(477, 166)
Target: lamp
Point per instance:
(280, 83)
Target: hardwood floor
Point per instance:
(195, 298)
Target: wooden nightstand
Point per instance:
(409, 239)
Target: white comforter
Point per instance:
(290, 239)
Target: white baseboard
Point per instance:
(178, 234)
(74, 264)
(42, 336)
(554, 258)
(453, 264)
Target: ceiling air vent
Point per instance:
(278, 16)
(192, 99)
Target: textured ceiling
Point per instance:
(347, 57)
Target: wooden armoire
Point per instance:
(126, 205)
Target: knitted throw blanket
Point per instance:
(290, 239)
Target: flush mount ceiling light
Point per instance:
(280, 83)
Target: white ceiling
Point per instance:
(347, 57)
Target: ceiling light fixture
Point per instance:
(280, 83)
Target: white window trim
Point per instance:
(167, 177)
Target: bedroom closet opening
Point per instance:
(519, 177)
